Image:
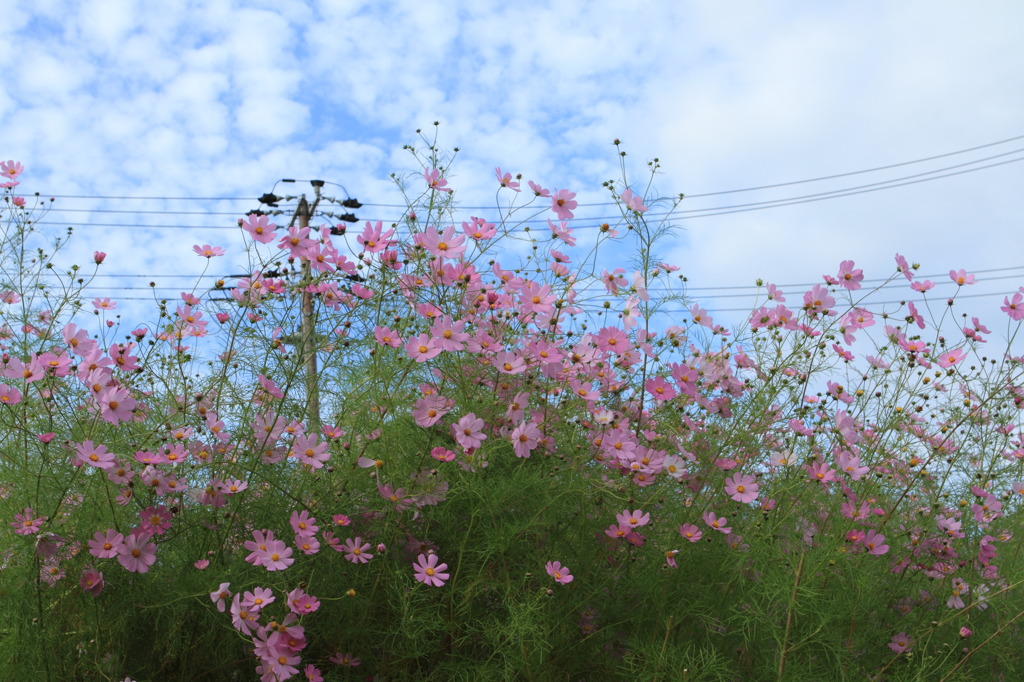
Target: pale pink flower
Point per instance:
(741, 488)
(356, 550)
(137, 553)
(428, 571)
(559, 572)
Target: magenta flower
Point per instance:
(137, 553)
(741, 488)
(428, 571)
(559, 572)
(91, 582)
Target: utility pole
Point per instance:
(308, 341)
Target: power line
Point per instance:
(860, 172)
(687, 214)
(610, 203)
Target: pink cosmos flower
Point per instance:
(26, 523)
(345, 660)
(505, 179)
(9, 170)
(155, 520)
(309, 451)
(259, 227)
(562, 231)
(301, 603)
(562, 203)
(960, 588)
(207, 251)
(874, 542)
(741, 488)
(538, 190)
(428, 571)
(660, 389)
(258, 598)
(91, 582)
(356, 550)
(559, 572)
(849, 278)
(219, 596)
(442, 454)
(961, 278)
(718, 523)
(105, 545)
(926, 285)
(10, 396)
(277, 556)
(479, 229)
(374, 239)
(901, 642)
(690, 532)
(1015, 307)
(303, 524)
(633, 202)
(307, 544)
(422, 348)
(632, 519)
(468, 432)
(525, 439)
(435, 181)
(243, 620)
(429, 410)
(950, 358)
(386, 337)
(819, 471)
(445, 244)
(137, 553)
(818, 300)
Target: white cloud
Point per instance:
(224, 97)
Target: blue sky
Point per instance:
(221, 99)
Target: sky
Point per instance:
(186, 100)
